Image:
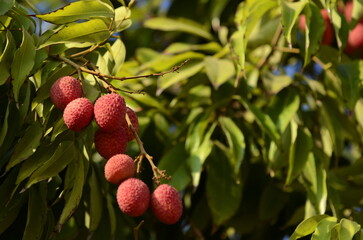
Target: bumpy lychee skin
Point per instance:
(78, 114)
(166, 204)
(65, 90)
(109, 144)
(118, 168)
(110, 110)
(134, 121)
(133, 197)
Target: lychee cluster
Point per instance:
(115, 120)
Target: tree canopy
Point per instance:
(252, 110)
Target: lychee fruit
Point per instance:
(110, 110)
(348, 10)
(109, 144)
(118, 168)
(166, 204)
(134, 121)
(65, 90)
(78, 114)
(133, 197)
(328, 35)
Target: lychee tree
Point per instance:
(216, 119)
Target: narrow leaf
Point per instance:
(27, 145)
(23, 63)
(75, 195)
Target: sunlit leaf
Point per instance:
(92, 31)
(183, 25)
(218, 70)
(307, 226)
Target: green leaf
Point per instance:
(42, 155)
(92, 31)
(199, 154)
(272, 201)
(64, 154)
(180, 47)
(263, 120)
(341, 28)
(307, 226)
(315, 26)
(78, 10)
(218, 70)
(4, 128)
(315, 183)
(236, 142)
(122, 19)
(37, 213)
(323, 229)
(27, 145)
(115, 56)
(290, 14)
(191, 69)
(96, 204)
(351, 75)
(9, 212)
(357, 12)
(223, 191)
(284, 107)
(6, 58)
(182, 25)
(75, 186)
(23, 63)
(299, 153)
(6, 5)
(348, 228)
(175, 165)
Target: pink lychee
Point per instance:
(78, 114)
(110, 110)
(166, 204)
(109, 144)
(133, 197)
(118, 168)
(65, 90)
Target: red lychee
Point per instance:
(65, 90)
(110, 110)
(109, 144)
(328, 35)
(118, 168)
(78, 114)
(166, 204)
(355, 41)
(134, 121)
(133, 197)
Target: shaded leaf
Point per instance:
(23, 63)
(37, 213)
(6, 57)
(175, 165)
(299, 153)
(27, 145)
(236, 142)
(223, 191)
(6, 5)
(61, 158)
(75, 186)
(96, 204)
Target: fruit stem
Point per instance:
(136, 230)
(158, 174)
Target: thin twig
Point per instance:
(287, 50)
(274, 43)
(136, 230)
